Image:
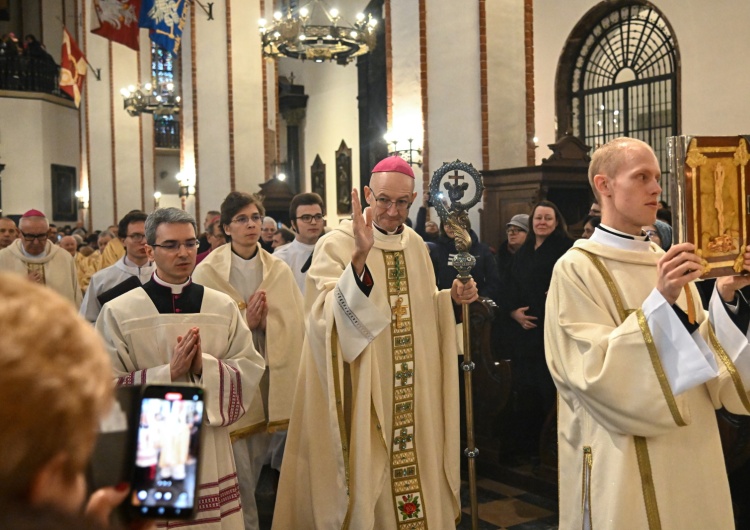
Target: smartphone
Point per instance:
(167, 452)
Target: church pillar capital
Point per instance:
(293, 117)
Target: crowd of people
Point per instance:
(331, 358)
(26, 65)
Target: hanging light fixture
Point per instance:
(150, 100)
(317, 33)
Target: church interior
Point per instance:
(523, 90)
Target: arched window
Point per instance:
(620, 71)
(166, 126)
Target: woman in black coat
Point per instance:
(525, 294)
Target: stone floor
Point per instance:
(501, 507)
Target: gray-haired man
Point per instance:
(173, 330)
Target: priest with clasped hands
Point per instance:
(374, 435)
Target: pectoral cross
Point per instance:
(404, 374)
(399, 311)
(402, 440)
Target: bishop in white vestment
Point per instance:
(374, 437)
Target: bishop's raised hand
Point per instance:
(364, 238)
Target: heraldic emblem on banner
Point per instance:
(72, 68)
(166, 20)
(118, 21)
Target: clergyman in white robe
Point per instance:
(140, 329)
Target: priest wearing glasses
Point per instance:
(264, 290)
(374, 435)
(171, 330)
(36, 258)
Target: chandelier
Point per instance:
(149, 100)
(412, 155)
(317, 33)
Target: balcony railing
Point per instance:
(30, 74)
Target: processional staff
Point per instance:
(456, 216)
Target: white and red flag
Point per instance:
(118, 21)
(72, 68)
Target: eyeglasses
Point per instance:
(385, 203)
(174, 246)
(513, 231)
(310, 218)
(137, 238)
(32, 237)
(651, 233)
(245, 220)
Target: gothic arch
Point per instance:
(619, 73)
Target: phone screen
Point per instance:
(167, 452)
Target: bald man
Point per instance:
(69, 244)
(377, 321)
(638, 377)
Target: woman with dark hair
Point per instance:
(526, 286)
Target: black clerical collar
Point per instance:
(257, 246)
(175, 288)
(189, 300)
(615, 232)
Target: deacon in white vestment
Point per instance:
(639, 377)
(306, 214)
(374, 437)
(265, 292)
(173, 330)
(134, 265)
(37, 259)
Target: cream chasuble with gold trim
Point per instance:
(280, 344)
(374, 437)
(635, 451)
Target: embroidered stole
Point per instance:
(405, 481)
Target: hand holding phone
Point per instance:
(165, 480)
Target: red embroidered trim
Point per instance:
(128, 380)
(221, 392)
(235, 409)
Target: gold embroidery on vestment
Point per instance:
(408, 499)
(641, 447)
(724, 356)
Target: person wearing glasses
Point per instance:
(374, 436)
(173, 330)
(131, 271)
(264, 289)
(306, 213)
(35, 257)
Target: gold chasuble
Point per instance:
(374, 435)
(632, 452)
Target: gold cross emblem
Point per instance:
(399, 311)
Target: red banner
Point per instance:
(72, 68)
(118, 21)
